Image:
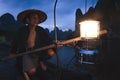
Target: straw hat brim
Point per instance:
(23, 15)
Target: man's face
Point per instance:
(33, 20)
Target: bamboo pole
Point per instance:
(47, 47)
(40, 49)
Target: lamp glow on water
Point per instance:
(89, 29)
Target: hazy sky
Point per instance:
(65, 12)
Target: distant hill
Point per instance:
(8, 26)
(8, 23)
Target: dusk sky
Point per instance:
(65, 12)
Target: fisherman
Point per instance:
(31, 37)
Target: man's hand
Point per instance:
(12, 55)
(43, 66)
(59, 44)
(51, 52)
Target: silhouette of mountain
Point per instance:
(7, 18)
(61, 35)
(8, 23)
(108, 13)
(78, 17)
(8, 26)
